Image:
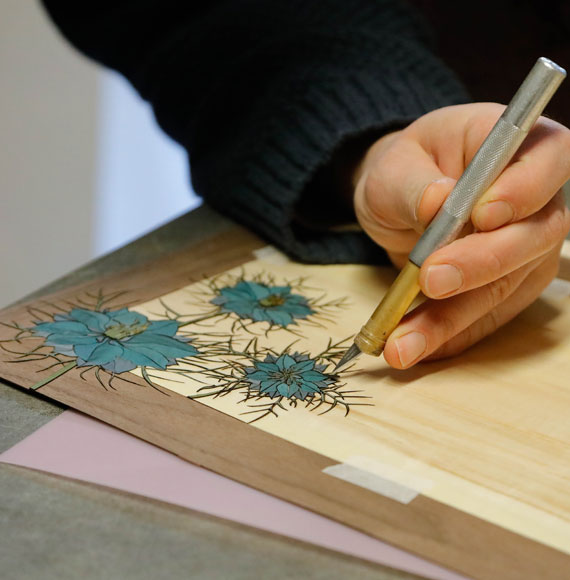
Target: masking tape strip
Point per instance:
(271, 254)
(387, 480)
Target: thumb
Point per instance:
(398, 194)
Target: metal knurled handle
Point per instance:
(488, 163)
(491, 158)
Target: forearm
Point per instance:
(263, 94)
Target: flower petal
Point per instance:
(119, 365)
(66, 349)
(303, 365)
(258, 291)
(60, 316)
(258, 376)
(270, 367)
(127, 317)
(307, 386)
(242, 308)
(279, 317)
(104, 353)
(297, 310)
(313, 376)
(73, 339)
(237, 293)
(284, 390)
(285, 361)
(268, 386)
(259, 314)
(219, 300)
(62, 327)
(165, 345)
(84, 351)
(144, 356)
(95, 321)
(165, 327)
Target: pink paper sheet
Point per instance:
(76, 446)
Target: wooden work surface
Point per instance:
(219, 442)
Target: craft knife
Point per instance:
(492, 157)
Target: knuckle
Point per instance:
(446, 327)
(499, 290)
(463, 340)
(466, 338)
(494, 268)
(557, 225)
(491, 323)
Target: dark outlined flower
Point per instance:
(261, 302)
(115, 340)
(293, 376)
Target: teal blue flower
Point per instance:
(293, 376)
(115, 340)
(260, 302)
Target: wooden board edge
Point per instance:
(226, 445)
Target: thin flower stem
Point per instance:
(200, 395)
(49, 379)
(100, 300)
(195, 320)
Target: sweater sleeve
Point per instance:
(263, 94)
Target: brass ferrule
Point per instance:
(373, 335)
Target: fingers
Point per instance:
(399, 195)
(481, 258)
(448, 327)
(531, 287)
(540, 169)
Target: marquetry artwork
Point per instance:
(228, 361)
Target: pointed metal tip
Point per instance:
(349, 355)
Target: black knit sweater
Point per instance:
(263, 94)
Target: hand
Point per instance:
(511, 250)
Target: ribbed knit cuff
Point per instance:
(263, 192)
(352, 85)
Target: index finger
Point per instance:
(539, 169)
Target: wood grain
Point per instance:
(226, 445)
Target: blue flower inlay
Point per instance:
(115, 340)
(293, 376)
(261, 302)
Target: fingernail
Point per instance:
(493, 214)
(410, 347)
(442, 279)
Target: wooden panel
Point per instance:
(228, 446)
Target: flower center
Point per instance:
(272, 300)
(120, 331)
(286, 376)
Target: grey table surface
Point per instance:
(51, 527)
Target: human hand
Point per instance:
(510, 252)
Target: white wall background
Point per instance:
(142, 175)
(47, 152)
(83, 167)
